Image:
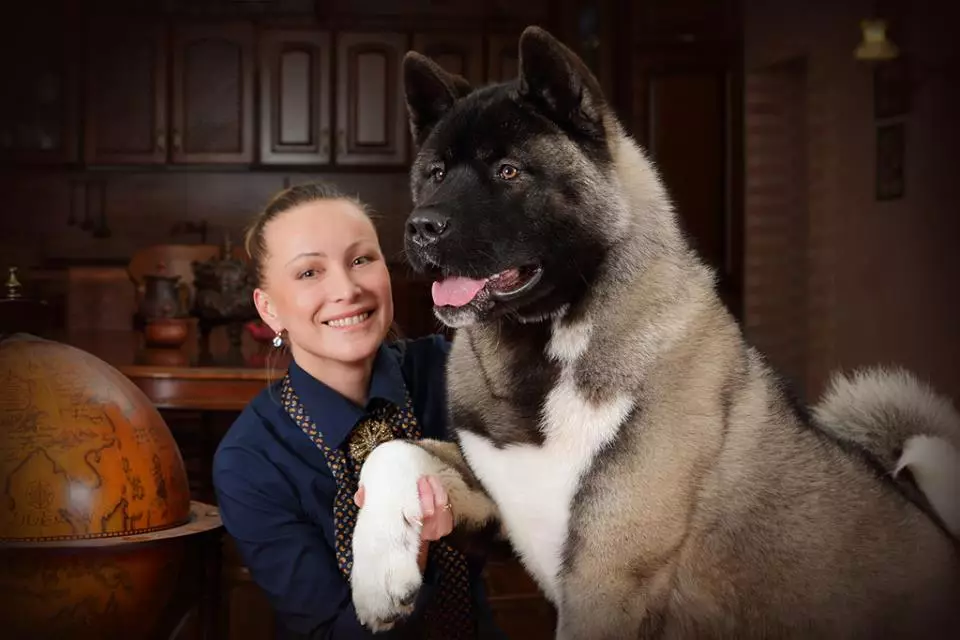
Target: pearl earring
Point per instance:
(278, 340)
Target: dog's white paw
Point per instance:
(386, 578)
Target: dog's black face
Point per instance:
(510, 186)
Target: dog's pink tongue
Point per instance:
(456, 291)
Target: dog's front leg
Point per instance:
(602, 602)
(386, 578)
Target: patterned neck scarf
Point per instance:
(450, 614)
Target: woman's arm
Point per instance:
(287, 556)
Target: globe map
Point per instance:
(88, 468)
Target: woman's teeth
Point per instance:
(352, 320)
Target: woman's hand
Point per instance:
(435, 507)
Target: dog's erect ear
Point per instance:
(557, 80)
(430, 92)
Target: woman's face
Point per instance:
(326, 282)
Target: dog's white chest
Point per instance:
(535, 486)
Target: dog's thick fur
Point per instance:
(646, 464)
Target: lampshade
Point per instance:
(875, 46)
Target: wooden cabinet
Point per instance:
(38, 106)
(212, 93)
(371, 117)
(295, 86)
(126, 90)
(139, 72)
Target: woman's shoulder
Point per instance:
(247, 438)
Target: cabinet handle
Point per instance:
(341, 141)
(161, 140)
(176, 140)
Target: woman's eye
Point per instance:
(508, 172)
(306, 273)
(438, 174)
(361, 261)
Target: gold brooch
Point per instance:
(370, 433)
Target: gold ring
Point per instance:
(448, 507)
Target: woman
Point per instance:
(285, 472)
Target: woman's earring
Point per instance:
(278, 340)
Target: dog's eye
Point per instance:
(437, 174)
(508, 172)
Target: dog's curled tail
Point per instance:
(904, 424)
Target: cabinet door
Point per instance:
(460, 53)
(371, 117)
(294, 97)
(39, 105)
(503, 57)
(126, 119)
(213, 93)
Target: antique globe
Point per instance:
(95, 508)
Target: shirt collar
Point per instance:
(335, 415)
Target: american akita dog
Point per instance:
(647, 466)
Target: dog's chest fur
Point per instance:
(533, 478)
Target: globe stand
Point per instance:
(142, 585)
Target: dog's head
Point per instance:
(515, 197)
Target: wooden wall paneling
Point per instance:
(686, 21)
(371, 117)
(503, 56)
(126, 93)
(295, 88)
(213, 76)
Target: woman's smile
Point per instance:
(352, 321)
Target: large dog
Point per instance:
(647, 466)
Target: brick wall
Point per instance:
(876, 281)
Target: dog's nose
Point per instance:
(427, 226)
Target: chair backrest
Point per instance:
(99, 299)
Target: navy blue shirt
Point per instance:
(276, 492)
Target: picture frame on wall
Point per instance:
(890, 161)
(891, 89)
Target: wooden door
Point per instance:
(295, 77)
(457, 52)
(126, 91)
(371, 117)
(213, 74)
(684, 114)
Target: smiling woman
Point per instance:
(323, 284)
(287, 471)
